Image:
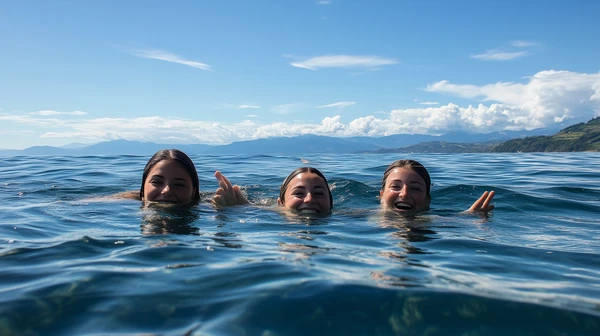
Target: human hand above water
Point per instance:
(228, 194)
(482, 205)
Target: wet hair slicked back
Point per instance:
(173, 155)
(298, 171)
(410, 164)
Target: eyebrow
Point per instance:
(176, 179)
(411, 182)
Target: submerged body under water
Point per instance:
(74, 263)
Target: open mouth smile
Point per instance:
(403, 206)
(308, 211)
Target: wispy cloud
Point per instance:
(324, 2)
(251, 116)
(429, 103)
(497, 55)
(17, 132)
(343, 61)
(168, 57)
(27, 119)
(523, 44)
(249, 107)
(338, 104)
(53, 113)
(513, 50)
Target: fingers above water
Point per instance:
(228, 194)
(482, 205)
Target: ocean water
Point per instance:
(75, 263)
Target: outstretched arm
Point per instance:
(482, 205)
(228, 194)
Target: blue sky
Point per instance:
(214, 72)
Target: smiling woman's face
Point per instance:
(405, 192)
(168, 182)
(307, 193)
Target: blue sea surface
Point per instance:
(75, 262)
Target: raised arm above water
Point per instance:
(228, 194)
(482, 205)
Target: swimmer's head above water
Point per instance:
(170, 177)
(405, 188)
(306, 191)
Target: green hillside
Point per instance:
(577, 138)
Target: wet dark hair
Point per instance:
(410, 164)
(298, 171)
(173, 155)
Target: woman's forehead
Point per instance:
(169, 165)
(403, 173)
(307, 177)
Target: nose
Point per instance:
(308, 198)
(166, 189)
(404, 191)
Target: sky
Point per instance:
(216, 72)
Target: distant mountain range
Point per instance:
(305, 144)
(443, 147)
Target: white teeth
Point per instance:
(165, 202)
(403, 206)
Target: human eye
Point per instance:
(155, 182)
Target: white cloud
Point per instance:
(542, 100)
(343, 61)
(251, 116)
(150, 129)
(497, 55)
(249, 107)
(338, 104)
(17, 132)
(51, 113)
(26, 119)
(513, 50)
(523, 44)
(324, 2)
(548, 97)
(429, 103)
(168, 57)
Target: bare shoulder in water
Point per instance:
(133, 195)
